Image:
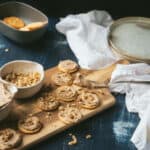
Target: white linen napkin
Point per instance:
(87, 38)
(134, 81)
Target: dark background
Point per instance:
(117, 8)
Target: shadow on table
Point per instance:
(110, 130)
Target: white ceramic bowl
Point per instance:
(24, 66)
(5, 110)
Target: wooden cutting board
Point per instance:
(52, 125)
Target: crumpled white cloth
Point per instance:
(87, 38)
(134, 81)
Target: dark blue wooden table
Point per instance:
(110, 130)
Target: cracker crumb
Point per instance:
(101, 92)
(30, 115)
(70, 134)
(48, 115)
(6, 49)
(74, 139)
(88, 136)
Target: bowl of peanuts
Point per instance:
(21, 22)
(27, 76)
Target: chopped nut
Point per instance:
(23, 79)
(49, 113)
(88, 136)
(73, 141)
(101, 92)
